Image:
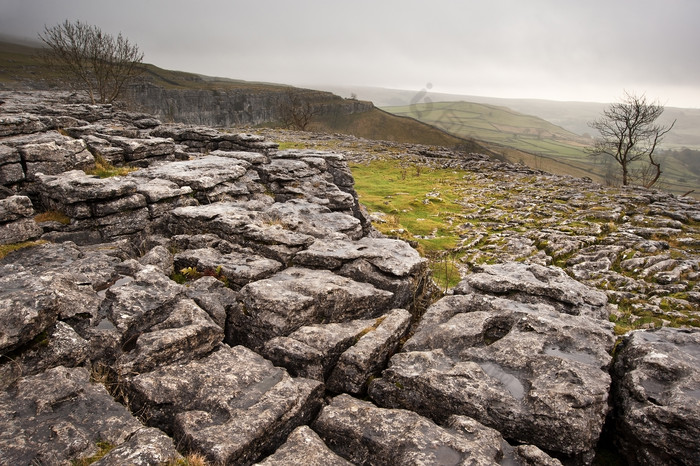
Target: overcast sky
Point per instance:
(585, 50)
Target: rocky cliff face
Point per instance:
(231, 299)
(234, 107)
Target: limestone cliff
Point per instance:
(229, 106)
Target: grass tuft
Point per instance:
(104, 169)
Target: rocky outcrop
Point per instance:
(366, 434)
(519, 363)
(232, 299)
(59, 415)
(657, 396)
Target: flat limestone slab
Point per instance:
(232, 406)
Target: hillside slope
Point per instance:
(214, 101)
(543, 144)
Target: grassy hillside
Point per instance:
(381, 125)
(539, 143)
(23, 67)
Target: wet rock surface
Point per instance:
(227, 298)
(657, 396)
(516, 363)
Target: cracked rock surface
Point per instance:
(231, 299)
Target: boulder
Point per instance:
(536, 375)
(313, 350)
(532, 282)
(304, 446)
(185, 334)
(22, 123)
(59, 345)
(214, 297)
(237, 268)
(56, 156)
(302, 297)
(237, 224)
(19, 231)
(201, 174)
(232, 406)
(31, 303)
(145, 447)
(59, 416)
(15, 207)
(366, 434)
(315, 220)
(368, 356)
(656, 396)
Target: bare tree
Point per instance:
(629, 133)
(97, 63)
(295, 110)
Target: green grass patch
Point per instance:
(291, 145)
(5, 249)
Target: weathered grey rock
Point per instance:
(214, 297)
(86, 267)
(10, 173)
(200, 174)
(304, 446)
(76, 187)
(531, 283)
(57, 156)
(232, 406)
(365, 434)
(536, 375)
(15, 207)
(59, 345)
(303, 297)
(140, 148)
(31, 302)
(315, 220)
(254, 158)
(98, 145)
(157, 190)
(161, 258)
(390, 256)
(657, 396)
(59, 416)
(239, 225)
(185, 334)
(369, 355)
(238, 267)
(19, 231)
(135, 305)
(147, 446)
(313, 350)
(23, 123)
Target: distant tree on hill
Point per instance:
(295, 110)
(630, 135)
(96, 63)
